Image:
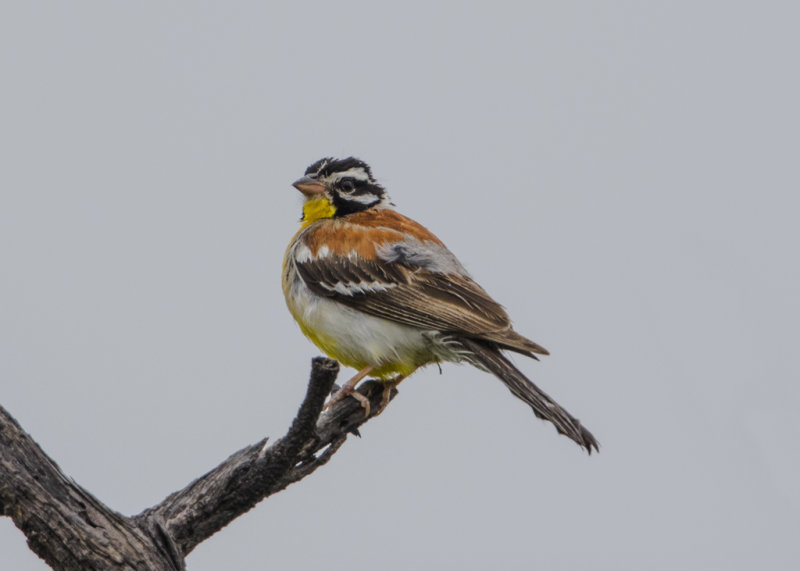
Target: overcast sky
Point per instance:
(622, 176)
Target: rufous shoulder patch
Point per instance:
(364, 233)
(393, 220)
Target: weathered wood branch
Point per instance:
(70, 529)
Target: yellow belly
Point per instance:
(356, 359)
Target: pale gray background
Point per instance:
(622, 176)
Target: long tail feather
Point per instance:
(489, 358)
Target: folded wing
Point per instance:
(404, 291)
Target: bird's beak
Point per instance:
(309, 186)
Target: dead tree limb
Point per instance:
(70, 529)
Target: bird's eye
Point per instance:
(347, 185)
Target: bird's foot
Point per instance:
(345, 392)
(349, 389)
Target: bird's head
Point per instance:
(338, 187)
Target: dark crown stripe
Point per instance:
(328, 165)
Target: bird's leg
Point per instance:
(349, 388)
(388, 387)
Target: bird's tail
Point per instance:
(491, 359)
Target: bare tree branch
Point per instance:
(70, 529)
(65, 525)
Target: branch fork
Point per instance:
(70, 529)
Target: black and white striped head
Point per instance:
(346, 183)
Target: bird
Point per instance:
(380, 293)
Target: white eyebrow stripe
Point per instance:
(357, 173)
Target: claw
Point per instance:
(349, 389)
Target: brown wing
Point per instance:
(414, 296)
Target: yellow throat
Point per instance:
(316, 209)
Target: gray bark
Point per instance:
(70, 529)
